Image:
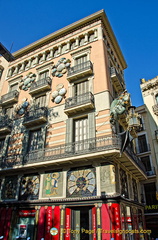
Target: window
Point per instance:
(13, 87)
(142, 144)
(40, 101)
(124, 183)
(150, 193)
(35, 139)
(9, 112)
(47, 55)
(91, 37)
(63, 48)
(146, 161)
(72, 45)
(55, 52)
(79, 131)
(81, 41)
(44, 75)
(80, 60)
(142, 125)
(81, 88)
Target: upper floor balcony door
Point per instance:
(80, 134)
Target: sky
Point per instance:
(134, 22)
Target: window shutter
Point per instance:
(69, 130)
(5, 147)
(42, 138)
(91, 124)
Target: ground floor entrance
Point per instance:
(73, 221)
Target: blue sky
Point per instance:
(134, 22)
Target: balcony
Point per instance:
(79, 103)
(103, 147)
(11, 161)
(5, 125)
(41, 85)
(10, 98)
(81, 70)
(35, 117)
(117, 80)
(155, 109)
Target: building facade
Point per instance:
(147, 149)
(62, 174)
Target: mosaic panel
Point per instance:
(52, 185)
(29, 188)
(81, 183)
(107, 179)
(9, 188)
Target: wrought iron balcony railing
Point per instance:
(136, 159)
(35, 115)
(10, 97)
(85, 67)
(117, 77)
(41, 85)
(11, 161)
(5, 124)
(155, 109)
(87, 146)
(79, 100)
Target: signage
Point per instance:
(53, 231)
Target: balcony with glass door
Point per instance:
(35, 116)
(80, 70)
(117, 79)
(42, 85)
(79, 103)
(9, 98)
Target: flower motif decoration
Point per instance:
(22, 108)
(59, 94)
(61, 67)
(26, 82)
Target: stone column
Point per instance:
(67, 46)
(59, 49)
(77, 42)
(85, 38)
(51, 53)
(95, 33)
(100, 33)
(23, 66)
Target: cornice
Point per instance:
(100, 15)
